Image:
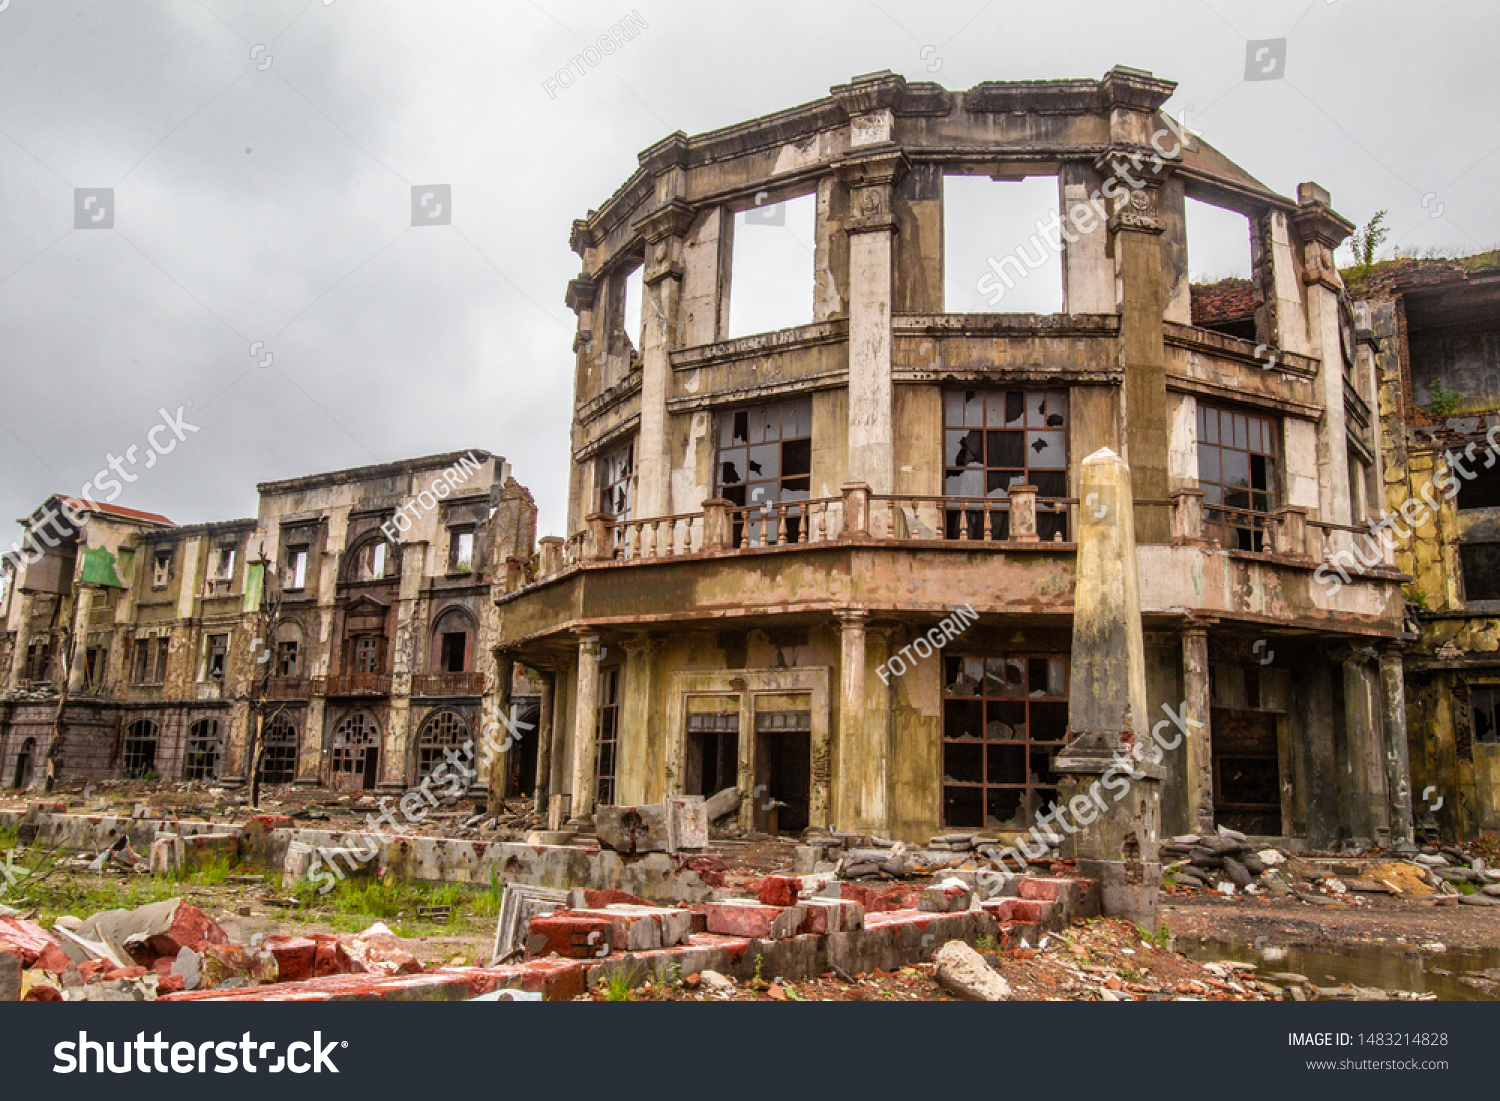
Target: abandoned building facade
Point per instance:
(766, 526)
(351, 623)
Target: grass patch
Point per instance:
(1463, 887)
(617, 986)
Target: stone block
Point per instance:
(296, 957)
(945, 898)
(380, 951)
(687, 823)
(641, 829)
(734, 918)
(827, 915)
(779, 890)
(1041, 889)
(722, 804)
(160, 929)
(570, 935)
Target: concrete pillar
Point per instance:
(664, 230)
(637, 759)
(1321, 231)
(1397, 753)
(1363, 803)
(564, 706)
(408, 657)
(1114, 842)
(544, 743)
(498, 771)
(1199, 755)
(82, 615)
(871, 228)
(585, 727)
(26, 602)
(859, 800)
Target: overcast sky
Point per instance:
(262, 155)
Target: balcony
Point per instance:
(291, 688)
(359, 684)
(447, 684)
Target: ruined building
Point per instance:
(766, 528)
(361, 657)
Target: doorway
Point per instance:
(713, 752)
(1247, 771)
(783, 771)
(24, 763)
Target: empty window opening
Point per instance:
(1480, 491)
(39, 660)
(223, 563)
(1218, 243)
(1481, 570)
(287, 658)
(1484, 703)
(765, 459)
(356, 753)
(1005, 717)
(217, 657)
(94, 659)
(140, 750)
(202, 762)
(461, 550)
(455, 651)
(161, 569)
(295, 577)
(607, 736)
(617, 481)
(631, 319)
(995, 439)
(1001, 245)
(1237, 458)
(278, 754)
(783, 764)
(443, 730)
(713, 750)
(370, 561)
(771, 281)
(150, 661)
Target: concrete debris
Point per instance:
(722, 804)
(963, 973)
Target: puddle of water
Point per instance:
(1388, 967)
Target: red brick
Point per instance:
(737, 919)
(779, 890)
(1043, 890)
(190, 928)
(573, 936)
(296, 957)
(331, 958)
(379, 950)
(25, 939)
(597, 900)
(54, 959)
(170, 984)
(43, 994)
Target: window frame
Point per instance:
(1246, 523)
(608, 709)
(1050, 521)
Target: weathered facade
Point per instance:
(765, 530)
(363, 656)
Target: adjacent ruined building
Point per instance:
(156, 649)
(766, 529)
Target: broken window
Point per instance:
(39, 660)
(161, 569)
(218, 656)
(94, 659)
(443, 730)
(150, 661)
(765, 458)
(223, 563)
(287, 659)
(356, 752)
(631, 319)
(455, 651)
(1218, 243)
(1237, 459)
(1004, 719)
(364, 653)
(1002, 245)
(1485, 705)
(453, 632)
(295, 577)
(140, 750)
(995, 439)
(370, 561)
(203, 745)
(1480, 491)
(771, 280)
(608, 735)
(1481, 570)
(278, 758)
(617, 481)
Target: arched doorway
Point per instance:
(203, 746)
(25, 762)
(140, 750)
(278, 758)
(442, 730)
(356, 753)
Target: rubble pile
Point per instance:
(170, 947)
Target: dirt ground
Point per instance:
(1298, 924)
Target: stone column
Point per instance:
(1397, 751)
(544, 743)
(664, 229)
(408, 657)
(1363, 804)
(637, 757)
(585, 726)
(82, 615)
(564, 707)
(1198, 754)
(859, 796)
(1321, 231)
(25, 604)
(498, 770)
(871, 227)
(1113, 838)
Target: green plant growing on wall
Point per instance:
(1441, 401)
(1365, 243)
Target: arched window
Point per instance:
(278, 758)
(140, 750)
(203, 746)
(442, 730)
(356, 752)
(372, 560)
(453, 642)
